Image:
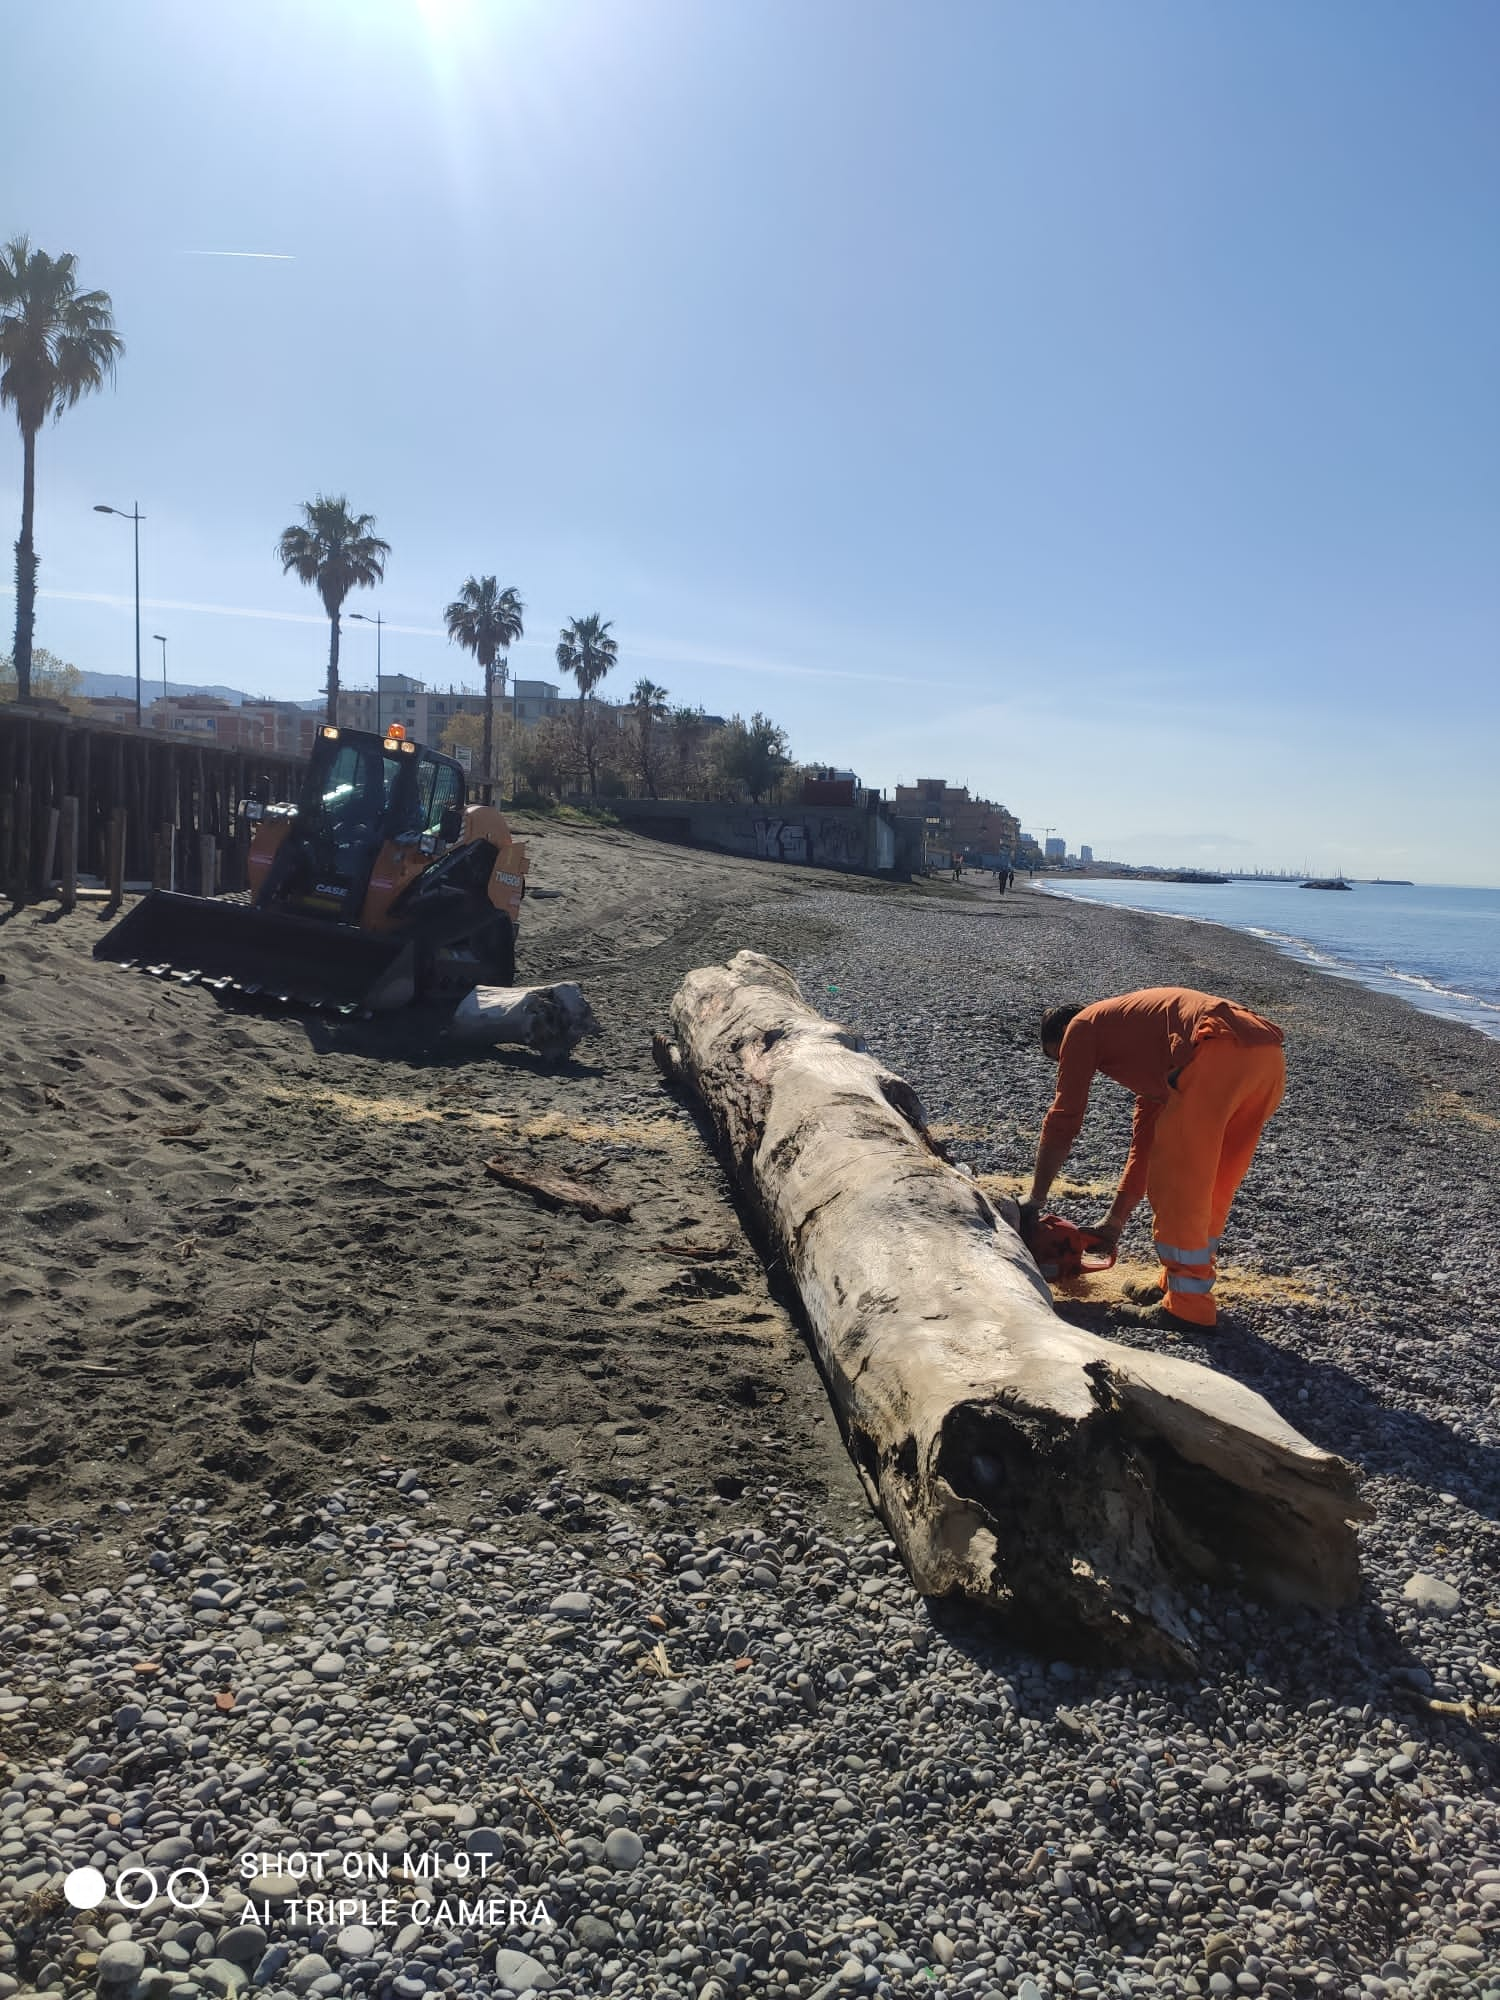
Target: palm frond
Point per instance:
(333, 549)
(484, 619)
(57, 344)
(587, 652)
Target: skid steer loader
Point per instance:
(381, 885)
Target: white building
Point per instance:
(425, 712)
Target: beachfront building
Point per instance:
(116, 711)
(426, 713)
(1056, 848)
(954, 820)
(1086, 856)
(826, 785)
(282, 728)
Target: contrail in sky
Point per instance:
(116, 601)
(669, 652)
(260, 256)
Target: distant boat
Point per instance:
(1390, 882)
(1328, 882)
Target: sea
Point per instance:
(1437, 948)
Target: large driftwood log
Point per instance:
(1074, 1485)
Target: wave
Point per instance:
(1436, 986)
(1449, 1002)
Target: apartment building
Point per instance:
(425, 712)
(954, 819)
(280, 728)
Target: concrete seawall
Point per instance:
(853, 839)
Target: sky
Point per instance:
(1093, 405)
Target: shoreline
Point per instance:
(1468, 1010)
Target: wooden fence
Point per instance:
(124, 805)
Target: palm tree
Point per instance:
(586, 651)
(335, 550)
(689, 727)
(486, 621)
(56, 345)
(648, 704)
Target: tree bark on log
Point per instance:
(1078, 1487)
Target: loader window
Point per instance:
(440, 790)
(357, 784)
(356, 788)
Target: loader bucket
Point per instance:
(271, 953)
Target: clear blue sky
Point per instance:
(1094, 404)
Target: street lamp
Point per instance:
(161, 640)
(359, 618)
(137, 517)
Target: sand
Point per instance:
(242, 1245)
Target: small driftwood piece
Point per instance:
(550, 1020)
(555, 1190)
(1078, 1487)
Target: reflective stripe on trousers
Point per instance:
(1170, 1254)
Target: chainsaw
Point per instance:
(1062, 1250)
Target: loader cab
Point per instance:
(362, 792)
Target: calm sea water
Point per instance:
(1438, 948)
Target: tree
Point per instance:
(752, 756)
(648, 708)
(462, 732)
(547, 756)
(466, 732)
(688, 731)
(586, 651)
(486, 621)
(57, 345)
(338, 552)
(52, 679)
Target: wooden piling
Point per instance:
(161, 858)
(114, 858)
(54, 815)
(67, 868)
(20, 881)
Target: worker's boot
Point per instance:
(1142, 1291)
(1157, 1315)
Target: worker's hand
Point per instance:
(1031, 1212)
(1108, 1232)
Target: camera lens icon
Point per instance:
(137, 1888)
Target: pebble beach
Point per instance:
(669, 1720)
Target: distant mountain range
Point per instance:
(124, 684)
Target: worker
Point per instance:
(1206, 1074)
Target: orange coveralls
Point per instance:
(1206, 1074)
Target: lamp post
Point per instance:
(359, 618)
(161, 640)
(137, 517)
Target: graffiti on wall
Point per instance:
(840, 843)
(781, 839)
(829, 841)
